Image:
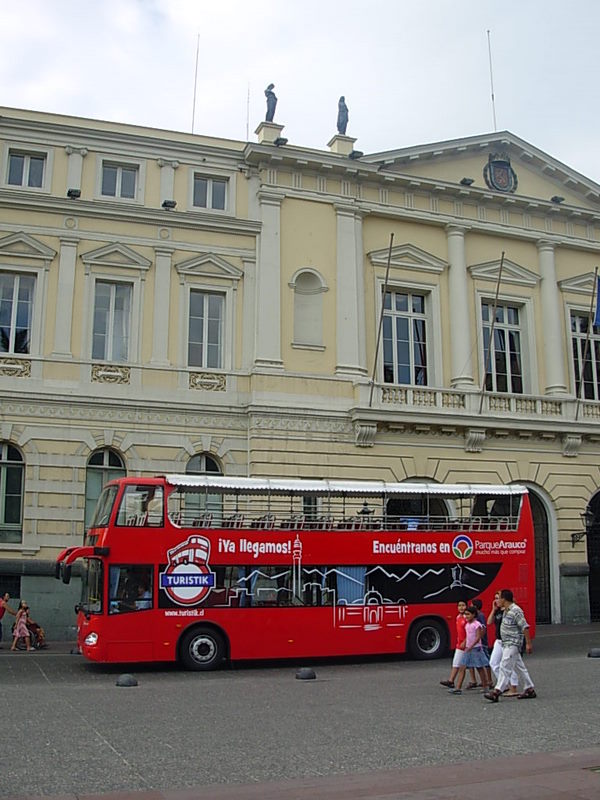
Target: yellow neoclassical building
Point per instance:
(173, 302)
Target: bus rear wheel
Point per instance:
(202, 649)
(428, 639)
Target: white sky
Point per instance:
(412, 71)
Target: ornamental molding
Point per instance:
(300, 424)
(208, 265)
(23, 246)
(15, 367)
(115, 254)
(408, 256)
(571, 445)
(109, 373)
(511, 272)
(117, 414)
(580, 284)
(208, 381)
(474, 439)
(364, 434)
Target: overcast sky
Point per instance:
(412, 71)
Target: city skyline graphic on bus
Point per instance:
(348, 585)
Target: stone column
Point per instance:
(167, 178)
(461, 358)
(350, 294)
(67, 262)
(554, 361)
(75, 166)
(268, 283)
(162, 302)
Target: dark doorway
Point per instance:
(543, 613)
(593, 550)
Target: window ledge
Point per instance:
(25, 550)
(301, 346)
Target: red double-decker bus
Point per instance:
(204, 569)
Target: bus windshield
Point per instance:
(91, 587)
(104, 506)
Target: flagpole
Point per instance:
(586, 347)
(195, 82)
(489, 352)
(387, 274)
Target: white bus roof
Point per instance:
(226, 484)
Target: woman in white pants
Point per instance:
(496, 654)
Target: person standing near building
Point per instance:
(459, 653)
(4, 608)
(513, 629)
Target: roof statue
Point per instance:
(271, 102)
(342, 118)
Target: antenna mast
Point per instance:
(248, 113)
(195, 82)
(492, 81)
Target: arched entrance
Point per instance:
(541, 529)
(593, 553)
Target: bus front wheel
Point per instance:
(428, 639)
(202, 649)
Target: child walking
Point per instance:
(459, 651)
(475, 656)
(21, 631)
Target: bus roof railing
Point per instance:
(231, 484)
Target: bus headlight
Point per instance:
(91, 639)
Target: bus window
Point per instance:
(141, 506)
(129, 588)
(104, 507)
(91, 587)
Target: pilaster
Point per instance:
(350, 294)
(551, 314)
(167, 178)
(461, 359)
(67, 262)
(75, 165)
(268, 283)
(162, 298)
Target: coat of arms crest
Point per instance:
(498, 173)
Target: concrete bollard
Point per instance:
(306, 674)
(126, 680)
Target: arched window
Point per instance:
(203, 464)
(208, 505)
(12, 471)
(103, 466)
(308, 308)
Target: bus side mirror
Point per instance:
(66, 573)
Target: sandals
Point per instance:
(528, 694)
(472, 685)
(492, 696)
(449, 684)
(454, 691)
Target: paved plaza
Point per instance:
(378, 728)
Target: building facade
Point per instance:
(172, 302)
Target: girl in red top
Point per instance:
(459, 652)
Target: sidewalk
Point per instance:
(570, 775)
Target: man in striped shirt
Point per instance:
(513, 630)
